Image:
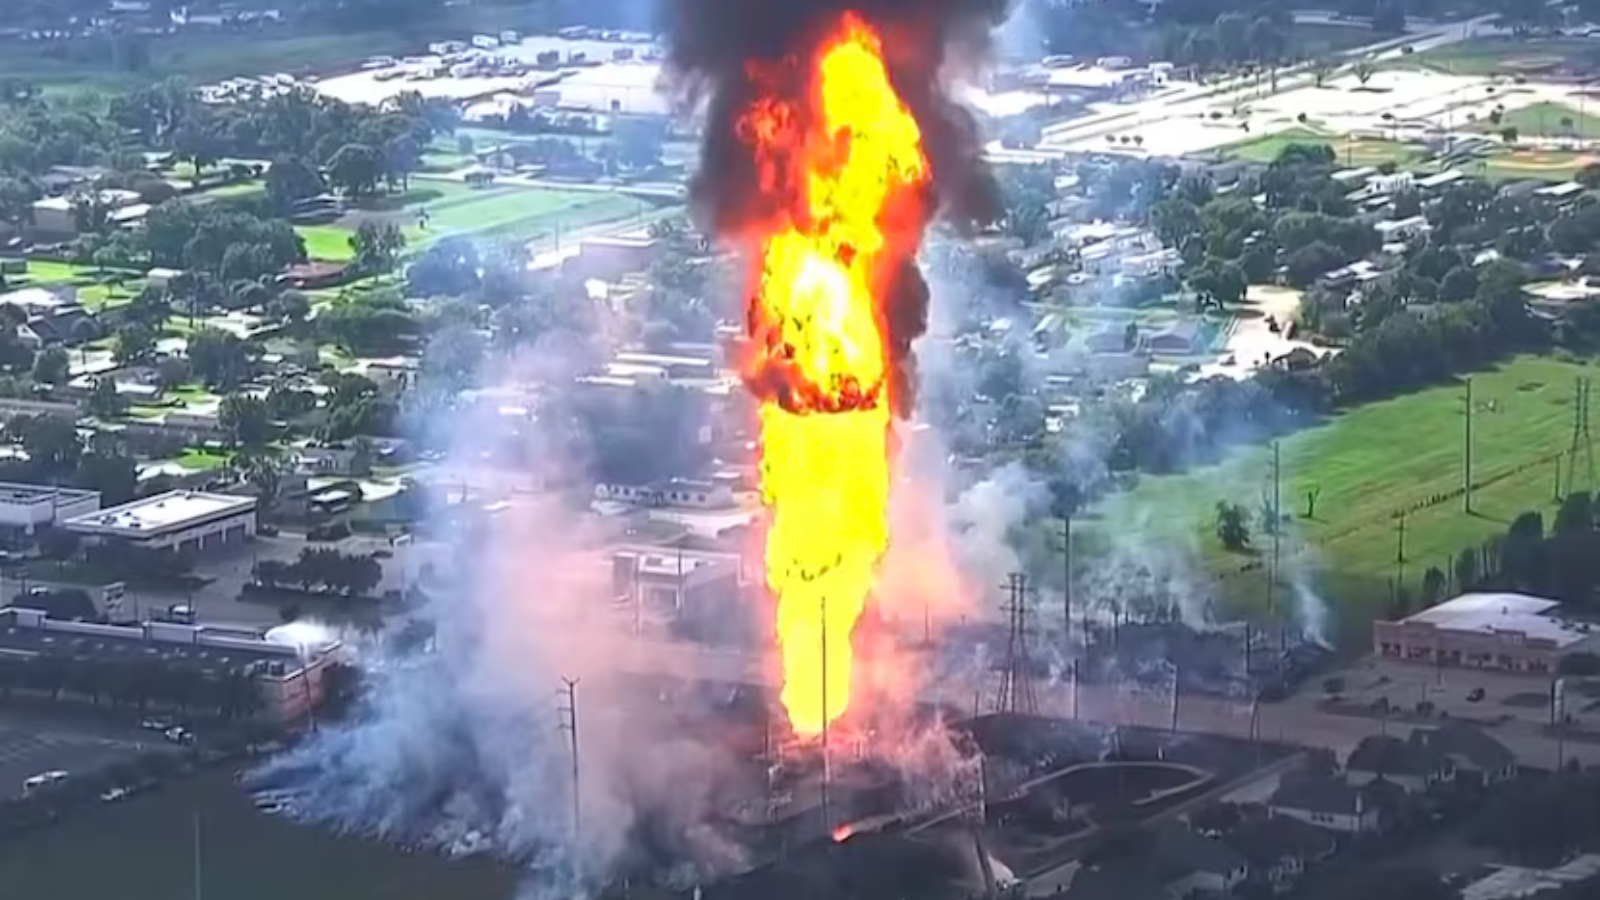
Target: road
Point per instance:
(1297, 720)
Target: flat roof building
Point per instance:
(1508, 632)
(184, 521)
(288, 673)
(25, 509)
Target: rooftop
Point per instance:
(1515, 881)
(200, 648)
(1491, 613)
(29, 494)
(163, 512)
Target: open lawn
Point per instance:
(1540, 165)
(197, 460)
(199, 56)
(1547, 120)
(507, 213)
(96, 290)
(1369, 464)
(1351, 152)
(327, 242)
(142, 849)
(1507, 55)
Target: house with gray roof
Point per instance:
(1327, 801)
(1478, 758)
(1279, 849)
(1415, 767)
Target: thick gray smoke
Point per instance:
(459, 745)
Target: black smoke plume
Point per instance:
(715, 45)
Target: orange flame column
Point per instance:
(851, 153)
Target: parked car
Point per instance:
(1474, 695)
(179, 735)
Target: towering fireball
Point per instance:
(829, 145)
(819, 357)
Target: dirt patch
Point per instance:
(1538, 161)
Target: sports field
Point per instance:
(143, 849)
(1350, 151)
(1506, 55)
(1538, 165)
(1547, 120)
(508, 213)
(1369, 464)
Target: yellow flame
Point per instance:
(818, 323)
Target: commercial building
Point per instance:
(26, 509)
(1506, 632)
(288, 674)
(184, 521)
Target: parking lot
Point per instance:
(31, 744)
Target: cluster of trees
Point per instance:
(58, 455)
(1544, 821)
(322, 569)
(1560, 561)
(319, 142)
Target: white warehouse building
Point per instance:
(27, 509)
(184, 521)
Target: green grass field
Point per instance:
(94, 292)
(510, 213)
(1540, 165)
(1369, 464)
(1350, 152)
(327, 242)
(143, 850)
(1547, 120)
(1505, 55)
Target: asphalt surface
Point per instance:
(31, 744)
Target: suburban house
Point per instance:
(1414, 767)
(1190, 864)
(1279, 849)
(1175, 865)
(1327, 801)
(1478, 758)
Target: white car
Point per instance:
(179, 735)
(113, 795)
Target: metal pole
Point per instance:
(1074, 689)
(570, 711)
(1066, 576)
(198, 890)
(827, 774)
(1467, 449)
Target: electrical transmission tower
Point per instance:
(1016, 688)
(569, 724)
(1582, 442)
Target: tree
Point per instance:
(1364, 70)
(401, 157)
(134, 343)
(1509, 134)
(1433, 586)
(104, 400)
(1233, 527)
(377, 246)
(52, 444)
(58, 544)
(1576, 515)
(218, 358)
(52, 366)
(245, 420)
(111, 472)
(290, 180)
(356, 169)
(198, 143)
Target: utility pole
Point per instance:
(1400, 550)
(1466, 451)
(1066, 578)
(1277, 528)
(569, 724)
(827, 762)
(198, 890)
